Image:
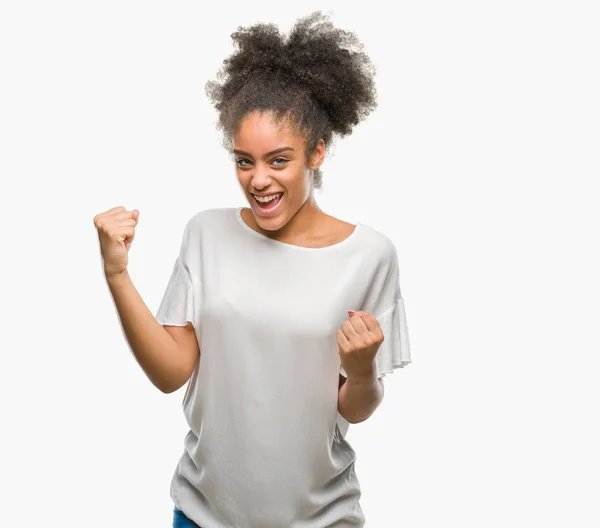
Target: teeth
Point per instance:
(267, 199)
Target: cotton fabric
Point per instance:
(266, 446)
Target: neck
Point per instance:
(305, 222)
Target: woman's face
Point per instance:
(265, 169)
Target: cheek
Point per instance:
(298, 185)
(295, 180)
(243, 177)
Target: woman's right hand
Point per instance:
(116, 231)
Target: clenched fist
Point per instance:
(116, 231)
(358, 340)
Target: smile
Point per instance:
(269, 207)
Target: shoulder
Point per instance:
(380, 243)
(195, 227)
(207, 217)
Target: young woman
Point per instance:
(257, 317)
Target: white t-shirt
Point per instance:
(266, 446)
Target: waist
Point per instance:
(248, 495)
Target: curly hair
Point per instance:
(318, 81)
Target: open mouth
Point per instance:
(270, 205)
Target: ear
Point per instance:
(318, 155)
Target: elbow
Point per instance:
(362, 417)
(174, 382)
(356, 420)
(359, 416)
(165, 390)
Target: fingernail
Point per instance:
(351, 312)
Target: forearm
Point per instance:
(359, 397)
(153, 347)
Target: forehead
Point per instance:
(259, 132)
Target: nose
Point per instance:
(260, 180)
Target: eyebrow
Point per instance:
(276, 151)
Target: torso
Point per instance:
(266, 445)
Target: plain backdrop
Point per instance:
(480, 163)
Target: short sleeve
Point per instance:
(385, 302)
(394, 352)
(177, 305)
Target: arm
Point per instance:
(359, 397)
(165, 361)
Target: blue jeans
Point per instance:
(181, 521)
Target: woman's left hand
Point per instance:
(358, 340)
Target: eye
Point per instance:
(239, 160)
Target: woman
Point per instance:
(258, 316)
